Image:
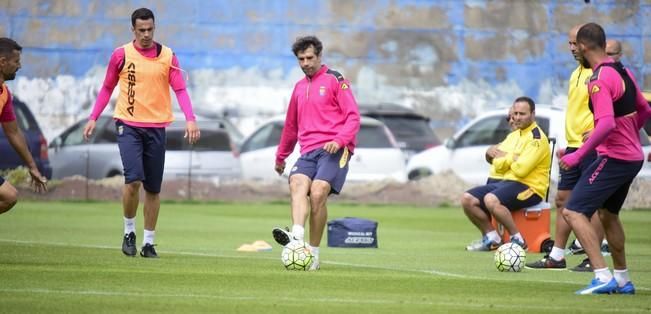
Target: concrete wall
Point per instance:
(414, 45)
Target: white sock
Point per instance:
(577, 243)
(315, 252)
(493, 236)
(149, 237)
(557, 254)
(603, 274)
(298, 232)
(621, 275)
(129, 225)
(604, 241)
(519, 236)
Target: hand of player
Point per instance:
(331, 147)
(560, 152)
(492, 151)
(39, 182)
(569, 161)
(192, 132)
(89, 128)
(280, 168)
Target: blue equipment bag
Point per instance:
(352, 232)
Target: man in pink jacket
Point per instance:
(620, 111)
(323, 117)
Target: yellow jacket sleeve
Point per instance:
(502, 164)
(531, 156)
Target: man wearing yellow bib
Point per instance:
(145, 71)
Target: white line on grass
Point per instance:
(203, 254)
(290, 300)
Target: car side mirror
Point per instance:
(449, 143)
(56, 144)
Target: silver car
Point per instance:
(214, 156)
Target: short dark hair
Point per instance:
(592, 35)
(8, 45)
(141, 14)
(532, 105)
(302, 43)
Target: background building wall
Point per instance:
(445, 58)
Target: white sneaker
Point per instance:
(315, 265)
(282, 236)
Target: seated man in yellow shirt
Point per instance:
(525, 181)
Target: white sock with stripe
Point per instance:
(622, 277)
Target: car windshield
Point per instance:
(211, 140)
(373, 136)
(407, 127)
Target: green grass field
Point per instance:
(65, 257)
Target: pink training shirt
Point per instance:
(113, 75)
(623, 140)
(7, 114)
(322, 109)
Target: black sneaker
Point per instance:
(129, 244)
(547, 263)
(282, 236)
(585, 266)
(148, 251)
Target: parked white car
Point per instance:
(377, 155)
(464, 153)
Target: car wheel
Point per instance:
(418, 174)
(114, 173)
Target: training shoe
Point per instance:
(485, 244)
(628, 288)
(598, 287)
(282, 236)
(129, 244)
(574, 249)
(315, 265)
(519, 242)
(605, 250)
(547, 263)
(585, 266)
(148, 251)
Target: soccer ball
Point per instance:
(510, 257)
(297, 255)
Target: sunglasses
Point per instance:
(613, 53)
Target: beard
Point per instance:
(585, 63)
(9, 77)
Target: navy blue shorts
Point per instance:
(492, 180)
(603, 185)
(143, 155)
(513, 195)
(321, 165)
(569, 178)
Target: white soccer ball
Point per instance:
(510, 257)
(297, 255)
